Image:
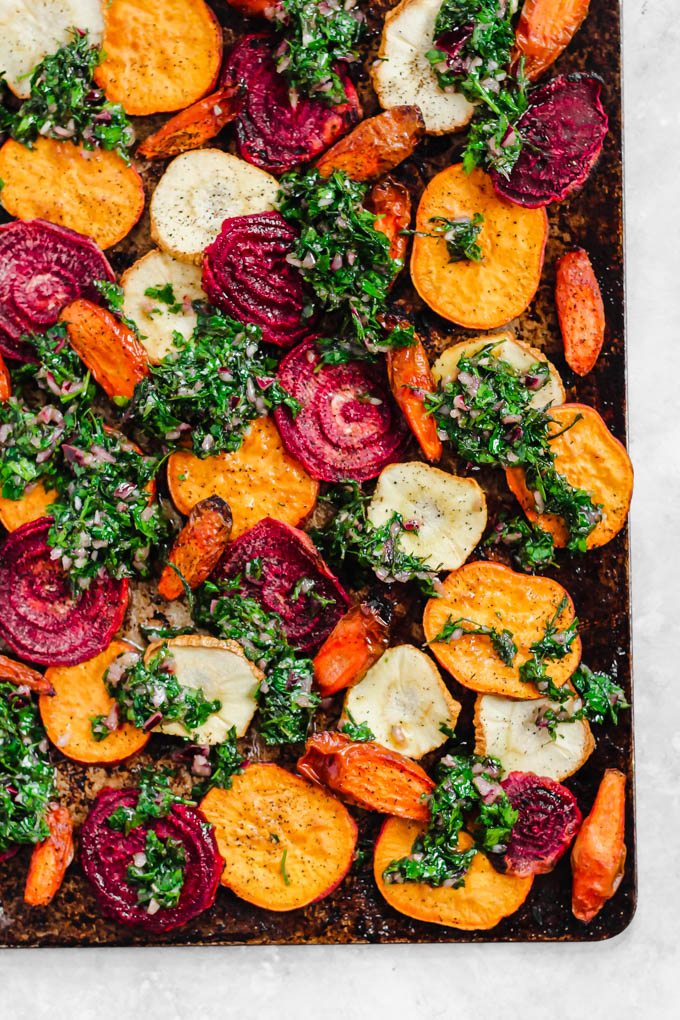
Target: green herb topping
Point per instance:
(532, 549)
(155, 800)
(502, 642)
(166, 295)
(554, 645)
(158, 873)
(218, 764)
(29, 445)
(601, 699)
(460, 236)
(359, 732)
(26, 776)
(61, 373)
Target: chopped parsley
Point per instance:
(555, 644)
(531, 548)
(26, 775)
(460, 236)
(61, 373)
(284, 873)
(601, 699)
(155, 800)
(158, 873)
(502, 642)
(359, 732)
(166, 295)
(29, 445)
(222, 763)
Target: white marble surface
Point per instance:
(635, 975)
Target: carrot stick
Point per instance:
(391, 203)
(376, 145)
(580, 310)
(544, 30)
(599, 853)
(195, 125)
(24, 676)
(5, 381)
(110, 350)
(50, 859)
(356, 642)
(197, 548)
(410, 376)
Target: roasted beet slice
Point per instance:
(245, 273)
(105, 855)
(349, 426)
(549, 819)
(271, 132)
(563, 131)
(294, 581)
(42, 268)
(39, 617)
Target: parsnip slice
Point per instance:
(221, 670)
(198, 192)
(505, 729)
(450, 512)
(404, 701)
(402, 74)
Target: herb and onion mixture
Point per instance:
(60, 373)
(599, 698)
(502, 641)
(460, 236)
(359, 732)
(531, 548)
(26, 775)
(155, 800)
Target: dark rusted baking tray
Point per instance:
(599, 584)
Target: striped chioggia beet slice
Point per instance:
(549, 819)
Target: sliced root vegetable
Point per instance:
(5, 381)
(198, 547)
(390, 202)
(545, 28)
(108, 348)
(31, 506)
(599, 854)
(486, 294)
(491, 595)
(376, 145)
(580, 310)
(549, 818)
(39, 618)
(356, 642)
(403, 74)
(506, 347)
(506, 728)
(485, 899)
(80, 694)
(193, 127)
(563, 131)
(219, 669)
(42, 267)
(285, 842)
(50, 859)
(93, 192)
(258, 480)
(348, 425)
(590, 458)
(156, 64)
(408, 370)
(23, 676)
(198, 192)
(157, 321)
(368, 775)
(272, 132)
(294, 581)
(445, 516)
(404, 701)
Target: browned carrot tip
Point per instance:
(197, 548)
(195, 125)
(545, 28)
(599, 854)
(410, 376)
(24, 676)
(376, 145)
(110, 350)
(50, 859)
(5, 381)
(580, 311)
(356, 642)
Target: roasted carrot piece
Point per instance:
(356, 642)
(5, 381)
(23, 676)
(391, 203)
(580, 310)
(410, 376)
(376, 145)
(368, 775)
(198, 547)
(110, 350)
(545, 28)
(599, 853)
(251, 7)
(195, 125)
(50, 859)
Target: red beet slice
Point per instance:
(563, 128)
(271, 133)
(245, 273)
(105, 855)
(42, 268)
(549, 818)
(289, 561)
(349, 427)
(39, 617)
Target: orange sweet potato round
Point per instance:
(486, 294)
(285, 842)
(31, 506)
(158, 57)
(590, 458)
(485, 899)
(492, 595)
(94, 192)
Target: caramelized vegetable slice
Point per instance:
(376, 145)
(31, 506)
(390, 201)
(368, 775)
(194, 126)
(110, 350)
(5, 381)
(50, 859)
(545, 28)
(355, 643)
(410, 376)
(599, 854)
(197, 548)
(23, 676)
(580, 310)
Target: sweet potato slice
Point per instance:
(410, 376)
(50, 859)
(158, 60)
(258, 480)
(23, 676)
(376, 145)
(285, 842)
(79, 694)
(590, 458)
(545, 28)
(356, 642)
(31, 506)
(485, 899)
(390, 201)
(492, 595)
(598, 856)
(5, 381)
(93, 192)
(368, 775)
(197, 548)
(486, 294)
(193, 127)
(110, 350)
(580, 310)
